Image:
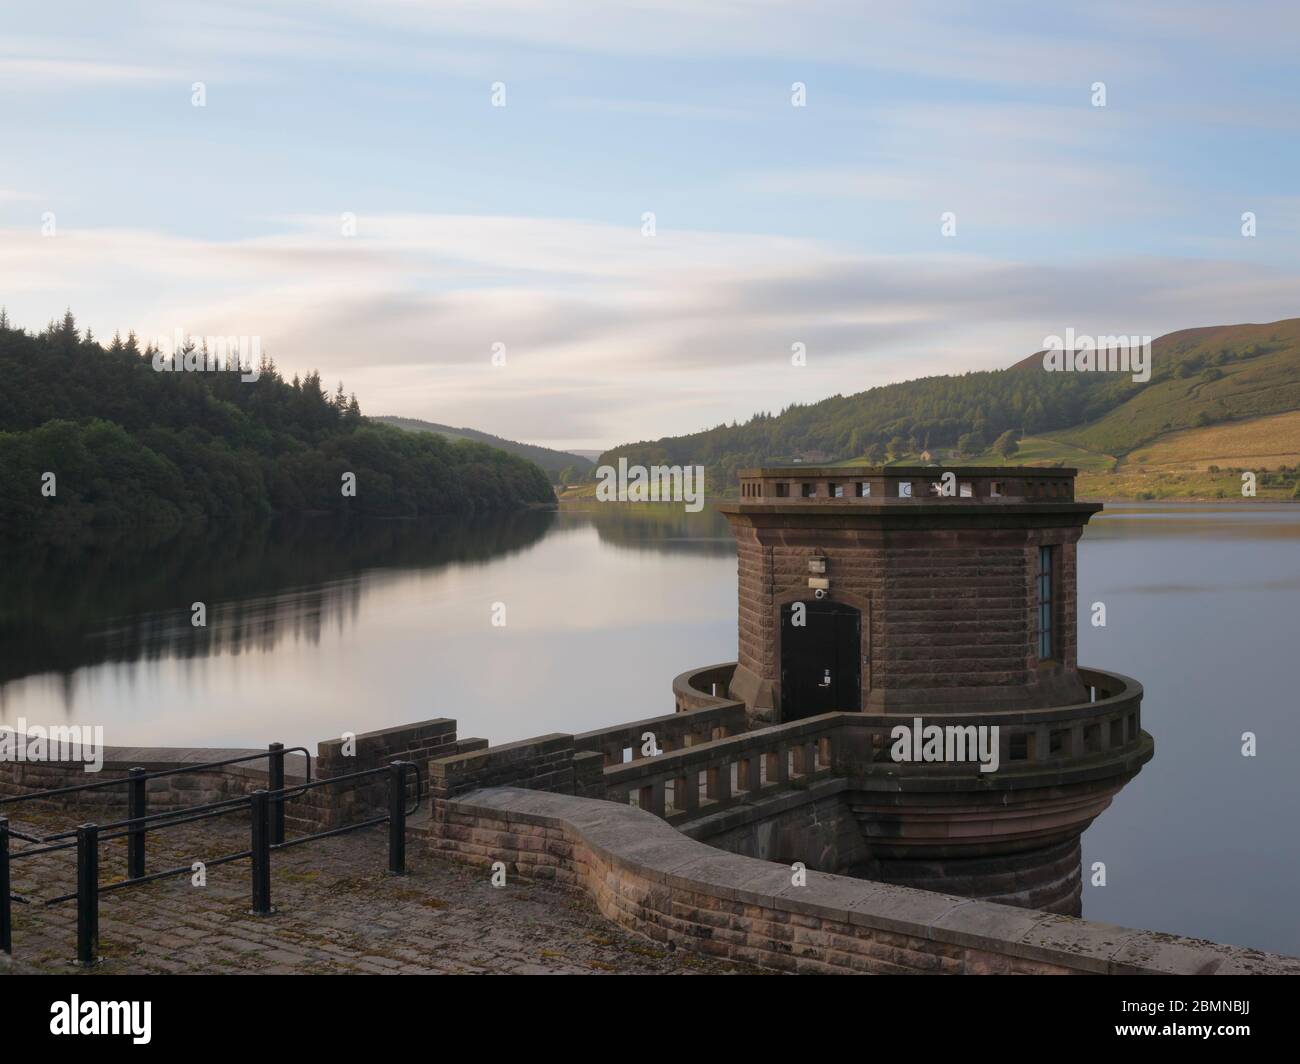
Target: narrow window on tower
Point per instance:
(1044, 603)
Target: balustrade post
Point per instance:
(719, 783)
(686, 792)
(777, 764)
(656, 795)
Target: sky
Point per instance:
(388, 190)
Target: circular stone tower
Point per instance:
(938, 598)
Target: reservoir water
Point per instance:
(314, 629)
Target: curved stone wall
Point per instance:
(649, 877)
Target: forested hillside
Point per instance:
(1199, 377)
(560, 466)
(132, 446)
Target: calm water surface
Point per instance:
(315, 629)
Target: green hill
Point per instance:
(553, 462)
(1202, 377)
(1199, 377)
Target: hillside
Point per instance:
(553, 462)
(1202, 377)
(132, 447)
(1258, 443)
(1225, 375)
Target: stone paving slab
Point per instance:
(338, 912)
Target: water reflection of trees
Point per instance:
(62, 608)
(659, 527)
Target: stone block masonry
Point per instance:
(545, 763)
(318, 809)
(574, 764)
(324, 808)
(648, 877)
(175, 791)
(448, 765)
(339, 913)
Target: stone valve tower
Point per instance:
(943, 601)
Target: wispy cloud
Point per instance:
(65, 73)
(609, 334)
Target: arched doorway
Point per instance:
(821, 659)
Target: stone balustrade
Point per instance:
(684, 784)
(672, 731)
(700, 778)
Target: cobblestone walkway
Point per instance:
(338, 912)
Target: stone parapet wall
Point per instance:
(316, 809)
(324, 808)
(544, 763)
(576, 764)
(176, 791)
(699, 718)
(815, 826)
(650, 878)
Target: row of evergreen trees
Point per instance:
(129, 445)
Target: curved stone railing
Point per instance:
(1036, 747)
(625, 742)
(682, 784)
(1077, 739)
(647, 876)
(695, 689)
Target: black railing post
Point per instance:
(87, 893)
(397, 818)
(6, 912)
(137, 808)
(275, 778)
(261, 852)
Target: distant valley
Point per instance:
(553, 463)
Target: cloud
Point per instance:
(609, 335)
(944, 40)
(68, 73)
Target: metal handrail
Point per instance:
(159, 774)
(241, 800)
(264, 840)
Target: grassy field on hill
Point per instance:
(1034, 450)
(1202, 377)
(1257, 443)
(1204, 463)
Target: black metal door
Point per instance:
(820, 659)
